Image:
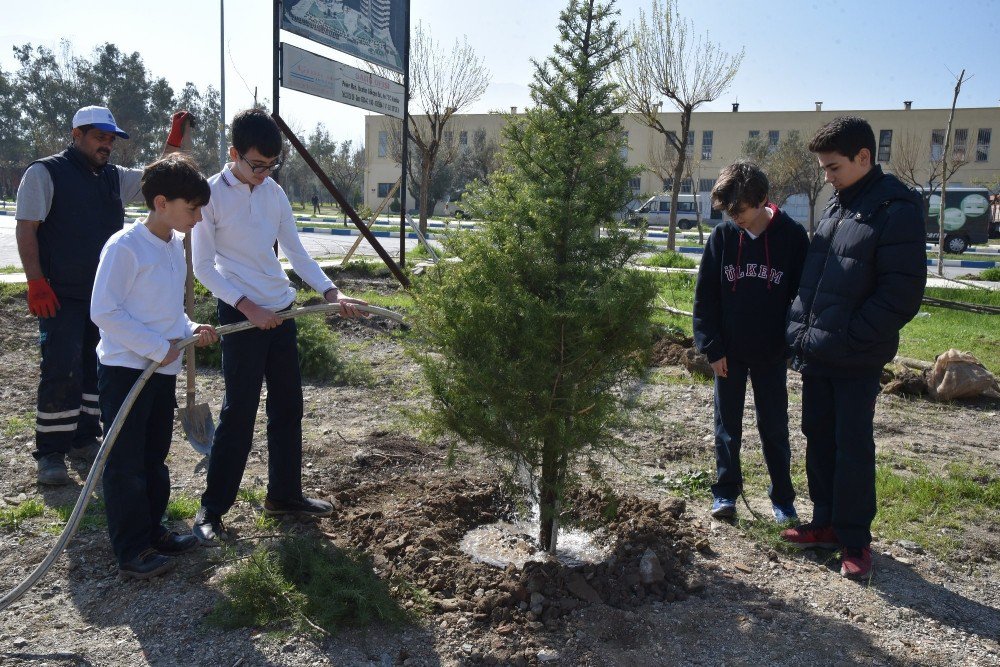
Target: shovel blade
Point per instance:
(198, 426)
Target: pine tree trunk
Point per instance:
(548, 496)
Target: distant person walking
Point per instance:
(315, 203)
(863, 281)
(68, 205)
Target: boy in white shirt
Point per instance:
(234, 258)
(138, 305)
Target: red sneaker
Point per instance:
(856, 563)
(811, 536)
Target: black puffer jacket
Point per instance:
(863, 279)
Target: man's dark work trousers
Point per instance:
(837, 415)
(248, 358)
(136, 479)
(770, 397)
(67, 389)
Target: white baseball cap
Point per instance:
(99, 117)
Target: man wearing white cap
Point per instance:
(68, 205)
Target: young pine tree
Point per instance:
(528, 339)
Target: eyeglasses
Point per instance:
(261, 168)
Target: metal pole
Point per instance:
(275, 71)
(406, 133)
(222, 85)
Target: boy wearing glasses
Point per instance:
(234, 258)
(748, 276)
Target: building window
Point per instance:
(668, 184)
(686, 186)
(689, 149)
(463, 139)
(773, 137)
(706, 145)
(449, 136)
(623, 151)
(884, 145)
(961, 139)
(383, 143)
(754, 134)
(706, 184)
(937, 145)
(384, 189)
(634, 184)
(983, 145)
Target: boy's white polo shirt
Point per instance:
(233, 245)
(138, 299)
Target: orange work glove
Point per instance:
(177, 127)
(42, 301)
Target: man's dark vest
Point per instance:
(86, 210)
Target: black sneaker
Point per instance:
(52, 470)
(146, 565)
(172, 543)
(208, 528)
(300, 507)
(85, 449)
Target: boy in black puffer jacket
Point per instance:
(749, 275)
(863, 281)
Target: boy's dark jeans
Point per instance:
(248, 358)
(837, 416)
(136, 479)
(770, 397)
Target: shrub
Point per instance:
(304, 585)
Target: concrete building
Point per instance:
(716, 139)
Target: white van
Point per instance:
(656, 210)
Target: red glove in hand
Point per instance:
(177, 127)
(42, 301)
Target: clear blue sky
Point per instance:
(851, 54)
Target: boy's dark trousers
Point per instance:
(248, 358)
(770, 397)
(67, 390)
(136, 479)
(837, 415)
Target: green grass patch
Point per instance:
(14, 291)
(925, 337)
(990, 274)
(11, 518)
(933, 509)
(304, 585)
(676, 290)
(254, 496)
(94, 517)
(10, 268)
(669, 259)
(182, 507)
(17, 424)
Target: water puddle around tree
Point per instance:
(504, 543)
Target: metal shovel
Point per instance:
(196, 418)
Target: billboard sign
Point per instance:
(309, 73)
(373, 30)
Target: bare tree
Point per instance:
(668, 60)
(915, 163)
(442, 83)
(944, 173)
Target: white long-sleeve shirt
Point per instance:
(138, 299)
(233, 245)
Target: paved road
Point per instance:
(317, 245)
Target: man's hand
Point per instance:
(206, 335)
(721, 368)
(262, 318)
(172, 354)
(179, 124)
(42, 301)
